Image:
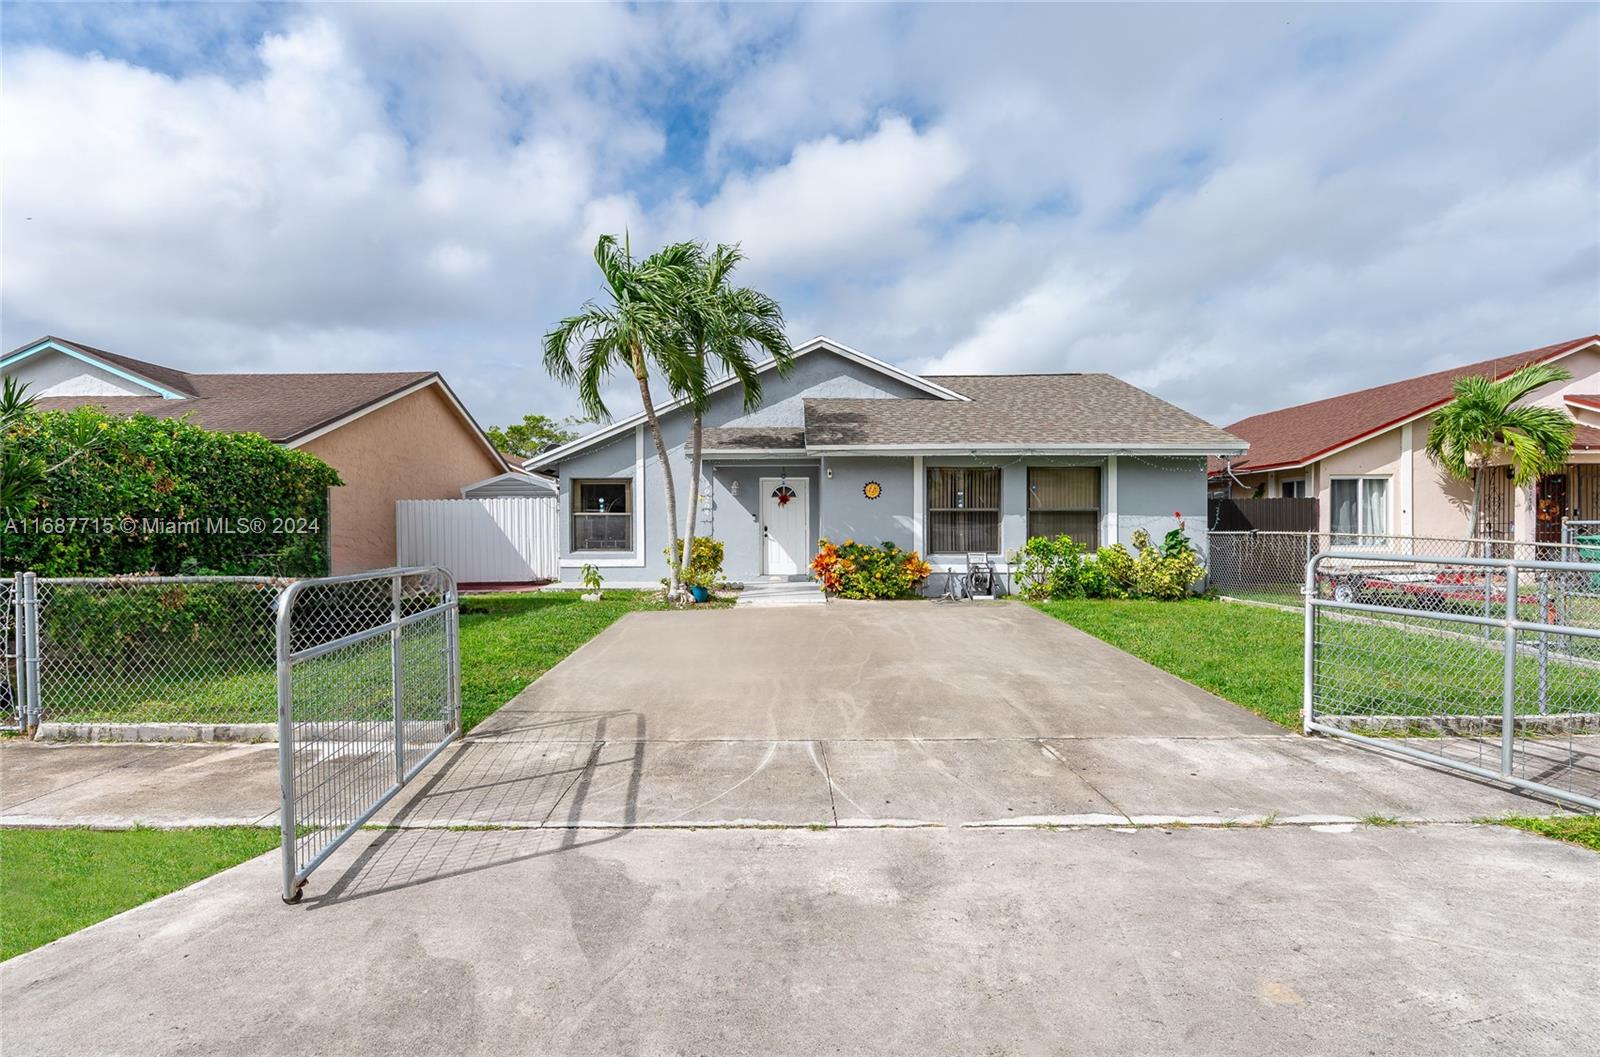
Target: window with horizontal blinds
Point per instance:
(963, 509)
(1065, 501)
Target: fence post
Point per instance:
(28, 656)
(397, 675)
(1309, 645)
(287, 823)
(453, 652)
(16, 649)
(1508, 717)
(1544, 643)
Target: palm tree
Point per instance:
(1484, 423)
(725, 324)
(636, 329)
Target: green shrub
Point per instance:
(705, 563)
(856, 570)
(164, 496)
(1058, 569)
(1166, 572)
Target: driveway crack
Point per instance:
(827, 774)
(1092, 787)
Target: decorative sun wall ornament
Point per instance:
(872, 489)
(783, 493)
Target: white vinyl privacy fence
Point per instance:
(504, 540)
(1489, 666)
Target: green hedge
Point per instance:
(148, 495)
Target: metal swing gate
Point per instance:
(1489, 666)
(368, 694)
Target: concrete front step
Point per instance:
(781, 593)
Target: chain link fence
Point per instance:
(367, 671)
(1271, 566)
(148, 657)
(1484, 664)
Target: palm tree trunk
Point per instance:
(695, 450)
(642, 374)
(1477, 503)
(692, 517)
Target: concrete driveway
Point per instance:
(883, 713)
(996, 869)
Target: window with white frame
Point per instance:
(1294, 488)
(602, 515)
(1360, 509)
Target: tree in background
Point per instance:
(635, 330)
(535, 433)
(724, 324)
(1483, 424)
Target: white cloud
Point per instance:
(848, 201)
(1238, 207)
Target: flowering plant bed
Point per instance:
(857, 570)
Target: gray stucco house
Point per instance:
(850, 447)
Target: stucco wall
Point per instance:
(415, 448)
(1151, 491)
(848, 514)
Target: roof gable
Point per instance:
(1294, 436)
(927, 386)
(162, 382)
(288, 409)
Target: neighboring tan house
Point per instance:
(1362, 455)
(848, 446)
(393, 435)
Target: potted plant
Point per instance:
(591, 583)
(704, 569)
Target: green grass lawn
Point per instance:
(1582, 830)
(1253, 656)
(61, 880)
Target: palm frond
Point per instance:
(1484, 423)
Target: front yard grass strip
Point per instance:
(57, 881)
(1378, 670)
(1582, 830)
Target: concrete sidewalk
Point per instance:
(1283, 940)
(603, 783)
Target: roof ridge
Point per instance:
(1529, 355)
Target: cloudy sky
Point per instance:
(1236, 207)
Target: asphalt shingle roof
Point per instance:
(1016, 409)
(755, 437)
(281, 407)
(1294, 435)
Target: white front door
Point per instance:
(785, 525)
